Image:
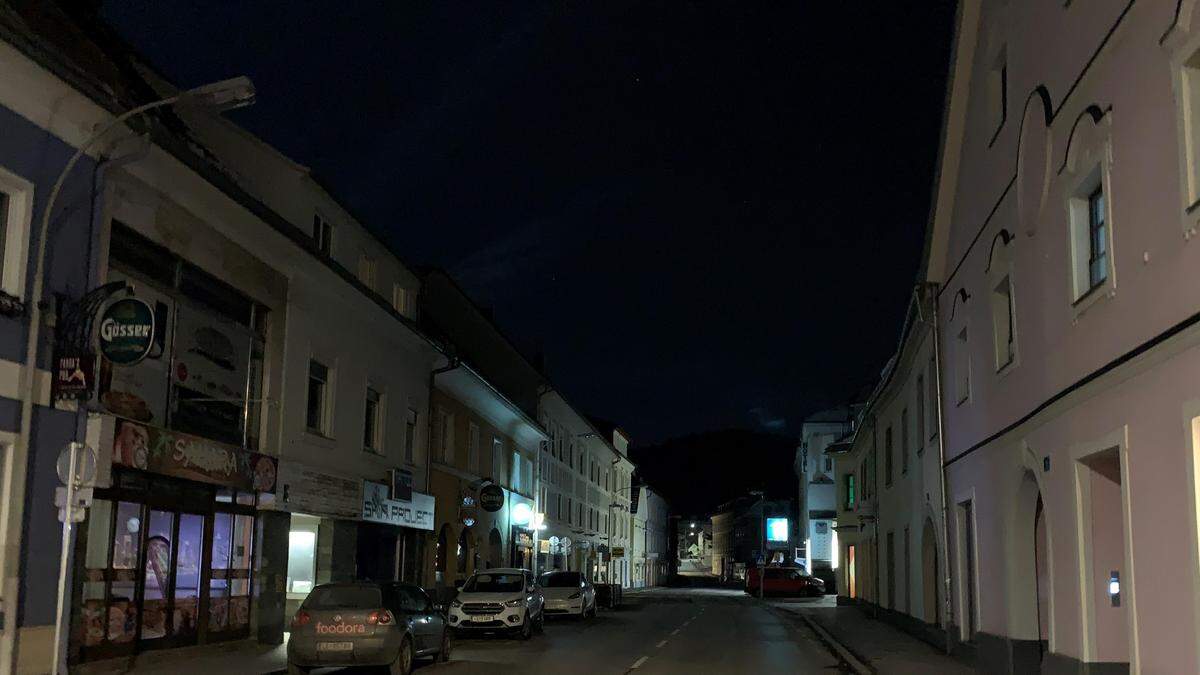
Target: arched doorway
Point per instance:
(463, 552)
(495, 549)
(930, 575)
(441, 554)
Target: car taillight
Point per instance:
(382, 617)
(302, 617)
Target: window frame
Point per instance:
(374, 434)
(888, 463)
(16, 231)
(326, 404)
(322, 234)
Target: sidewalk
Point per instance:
(243, 658)
(881, 647)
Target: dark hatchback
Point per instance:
(366, 624)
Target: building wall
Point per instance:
(1100, 386)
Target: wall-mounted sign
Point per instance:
(74, 377)
(618, 552)
(491, 498)
(126, 331)
(402, 480)
(171, 453)
(777, 529)
(305, 489)
(377, 508)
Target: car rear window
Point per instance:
(560, 580)
(494, 583)
(344, 597)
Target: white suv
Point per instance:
(498, 600)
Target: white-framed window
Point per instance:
(515, 480)
(1091, 237)
(400, 298)
(997, 90)
(473, 448)
(322, 234)
(373, 416)
(962, 367)
(1004, 336)
(497, 459)
(1190, 113)
(366, 270)
(319, 397)
(16, 220)
(444, 435)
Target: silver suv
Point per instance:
(503, 600)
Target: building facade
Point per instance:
(1061, 242)
(817, 497)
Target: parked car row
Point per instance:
(391, 624)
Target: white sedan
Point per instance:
(568, 593)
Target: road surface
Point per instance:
(660, 632)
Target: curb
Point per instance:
(847, 657)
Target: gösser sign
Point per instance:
(126, 331)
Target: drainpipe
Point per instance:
(941, 426)
(452, 363)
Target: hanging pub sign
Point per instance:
(171, 453)
(491, 498)
(74, 377)
(126, 331)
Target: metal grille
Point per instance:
(482, 608)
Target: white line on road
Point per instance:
(676, 631)
(639, 662)
(659, 645)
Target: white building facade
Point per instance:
(1062, 230)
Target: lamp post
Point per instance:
(223, 95)
(762, 524)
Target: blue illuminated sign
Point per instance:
(777, 529)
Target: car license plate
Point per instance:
(335, 646)
(482, 618)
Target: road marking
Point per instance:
(676, 631)
(659, 645)
(638, 664)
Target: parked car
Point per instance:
(568, 593)
(784, 581)
(366, 624)
(500, 600)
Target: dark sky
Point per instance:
(706, 215)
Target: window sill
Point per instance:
(319, 438)
(1095, 294)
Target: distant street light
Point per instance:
(224, 95)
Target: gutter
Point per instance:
(452, 363)
(941, 426)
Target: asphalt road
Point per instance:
(656, 633)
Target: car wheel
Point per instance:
(447, 644)
(294, 669)
(404, 660)
(527, 628)
(592, 612)
(541, 622)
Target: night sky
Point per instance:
(706, 215)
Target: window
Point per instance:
(1191, 124)
(322, 234)
(920, 413)
(16, 216)
(887, 457)
(515, 479)
(473, 448)
(373, 422)
(1002, 323)
(962, 367)
(904, 441)
(366, 270)
(1097, 239)
(828, 464)
(400, 299)
(318, 394)
(497, 459)
(997, 84)
(410, 436)
(851, 492)
(445, 436)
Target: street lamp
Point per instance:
(762, 525)
(224, 95)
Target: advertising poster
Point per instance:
(212, 358)
(184, 456)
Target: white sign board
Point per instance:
(377, 508)
(303, 489)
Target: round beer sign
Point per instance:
(491, 498)
(126, 331)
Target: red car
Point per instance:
(785, 581)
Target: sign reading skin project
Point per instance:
(377, 508)
(777, 529)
